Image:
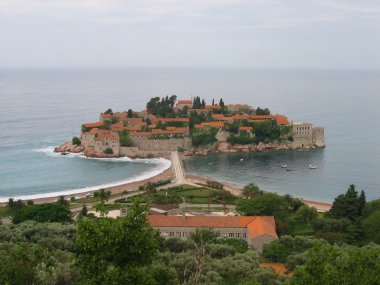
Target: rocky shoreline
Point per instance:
(224, 147)
(221, 147)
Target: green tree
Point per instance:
(251, 191)
(130, 113)
(76, 141)
(330, 265)
(43, 213)
(150, 189)
(116, 251)
(306, 214)
(371, 226)
(21, 263)
(349, 205)
(108, 151)
(62, 200)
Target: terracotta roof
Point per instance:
(185, 120)
(245, 128)
(133, 121)
(212, 107)
(118, 127)
(93, 125)
(278, 268)
(121, 114)
(198, 126)
(241, 117)
(262, 117)
(94, 131)
(214, 124)
(257, 225)
(281, 120)
(137, 128)
(153, 126)
(141, 134)
(106, 137)
(107, 116)
(172, 130)
(104, 132)
(221, 117)
(184, 102)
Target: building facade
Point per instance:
(255, 230)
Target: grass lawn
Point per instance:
(5, 212)
(191, 194)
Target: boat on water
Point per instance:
(289, 169)
(284, 166)
(312, 166)
(242, 159)
(210, 163)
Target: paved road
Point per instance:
(178, 171)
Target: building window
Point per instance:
(224, 235)
(231, 235)
(164, 234)
(179, 234)
(237, 235)
(171, 234)
(244, 235)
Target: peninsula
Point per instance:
(191, 127)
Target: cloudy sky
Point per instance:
(196, 33)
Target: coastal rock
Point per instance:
(69, 147)
(90, 152)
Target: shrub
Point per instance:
(108, 151)
(76, 141)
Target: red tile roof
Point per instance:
(184, 102)
(241, 117)
(133, 121)
(212, 107)
(163, 120)
(245, 128)
(281, 120)
(221, 117)
(141, 134)
(107, 116)
(137, 128)
(93, 125)
(262, 117)
(170, 130)
(214, 124)
(278, 268)
(257, 225)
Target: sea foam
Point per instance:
(162, 164)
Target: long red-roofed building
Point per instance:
(255, 230)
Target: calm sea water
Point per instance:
(41, 108)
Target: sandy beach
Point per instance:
(236, 190)
(176, 173)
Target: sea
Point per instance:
(42, 108)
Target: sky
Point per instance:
(190, 33)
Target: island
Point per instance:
(191, 127)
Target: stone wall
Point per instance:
(162, 145)
(222, 136)
(319, 136)
(135, 152)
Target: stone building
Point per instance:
(184, 103)
(105, 141)
(305, 135)
(255, 230)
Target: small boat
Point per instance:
(284, 166)
(210, 163)
(242, 159)
(312, 166)
(289, 169)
